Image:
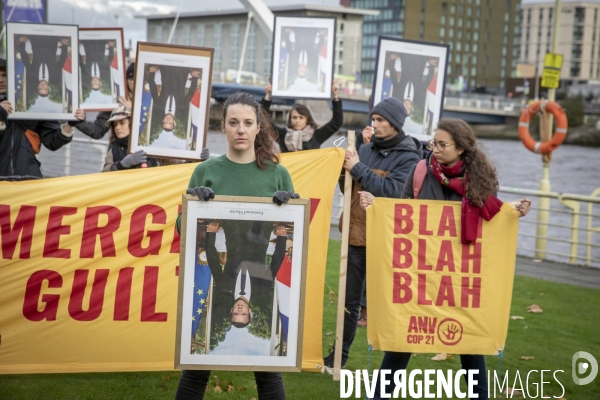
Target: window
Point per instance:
(475, 36)
(469, 23)
(477, 12)
(472, 82)
(158, 34)
(550, 11)
(576, 51)
(233, 45)
(185, 40)
(506, 17)
(541, 16)
(442, 31)
(217, 45)
(473, 73)
(468, 35)
(459, 34)
(449, 69)
(579, 16)
(475, 46)
(461, 10)
(443, 19)
(460, 22)
(457, 58)
(458, 69)
(503, 62)
(515, 53)
(575, 69)
(451, 32)
(250, 59)
(452, 9)
(469, 11)
(474, 59)
(476, 24)
(505, 40)
(578, 33)
(200, 35)
(502, 74)
(504, 50)
(452, 20)
(458, 46)
(268, 48)
(467, 47)
(444, 6)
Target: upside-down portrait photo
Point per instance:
(241, 293)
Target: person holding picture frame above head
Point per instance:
(249, 168)
(21, 140)
(456, 170)
(302, 132)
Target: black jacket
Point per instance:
(96, 129)
(321, 134)
(16, 153)
(399, 160)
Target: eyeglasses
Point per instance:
(440, 145)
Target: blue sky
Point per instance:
(102, 12)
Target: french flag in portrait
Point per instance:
(68, 82)
(283, 280)
(202, 277)
(195, 114)
(117, 78)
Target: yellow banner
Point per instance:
(89, 265)
(427, 292)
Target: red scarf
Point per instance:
(455, 178)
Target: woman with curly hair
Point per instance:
(457, 170)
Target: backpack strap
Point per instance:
(419, 177)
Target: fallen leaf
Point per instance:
(516, 317)
(534, 308)
(442, 357)
(218, 389)
(525, 327)
(536, 260)
(230, 389)
(328, 334)
(527, 358)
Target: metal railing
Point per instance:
(503, 106)
(571, 227)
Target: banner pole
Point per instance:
(339, 330)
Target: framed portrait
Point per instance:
(171, 100)
(242, 273)
(42, 71)
(414, 73)
(102, 69)
(303, 57)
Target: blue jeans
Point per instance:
(399, 361)
(192, 385)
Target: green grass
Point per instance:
(569, 323)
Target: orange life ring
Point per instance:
(559, 134)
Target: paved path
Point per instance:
(542, 269)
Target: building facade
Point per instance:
(225, 31)
(484, 35)
(579, 37)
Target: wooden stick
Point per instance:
(339, 330)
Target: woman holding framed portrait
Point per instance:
(249, 168)
(302, 132)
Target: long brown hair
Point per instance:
(263, 143)
(482, 179)
(302, 110)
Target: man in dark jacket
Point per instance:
(380, 168)
(20, 140)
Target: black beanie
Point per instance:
(131, 70)
(3, 64)
(393, 111)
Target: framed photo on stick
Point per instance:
(42, 71)
(242, 274)
(303, 57)
(171, 100)
(102, 68)
(414, 73)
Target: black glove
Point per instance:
(203, 193)
(76, 122)
(282, 197)
(205, 155)
(131, 160)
